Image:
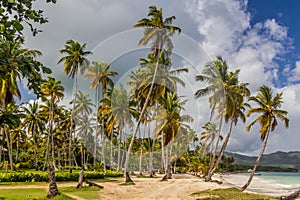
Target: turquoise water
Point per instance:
(285, 180)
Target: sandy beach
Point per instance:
(182, 186)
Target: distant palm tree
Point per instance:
(122, 110)
(9, 120)
(54, 90)
(158, 30)
(73, 61)
(83, 106)
(34, 122)
(269, 110)
(100, 73)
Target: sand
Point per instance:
(182, 186)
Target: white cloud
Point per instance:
(295, 73)
(221, 28)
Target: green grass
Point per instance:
(128, 183)
(40, 193)
(230, 193)
(28, 193)
(84, 192)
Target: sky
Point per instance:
(259, 37)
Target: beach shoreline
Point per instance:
(258, 184)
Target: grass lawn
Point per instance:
(84, 193)
(28, 193)
(230, 193)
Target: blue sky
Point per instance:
(259, 37)
(286, 13)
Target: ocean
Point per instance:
(289, 181)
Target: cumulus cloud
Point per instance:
(254, 48)
(295, 73)
(212, 28)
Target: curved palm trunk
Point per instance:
(257, 161)
(128, 179)
(222, 151)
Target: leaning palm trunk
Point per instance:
(128, 179)
(257, 161)
(221, 152)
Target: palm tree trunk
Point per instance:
(95, 145)
(71, 128)
(119, 150)
(103, 148)
(128, 179)
(212, 161)
(141, 156)
(257, 161)
(8, 141)
(111, 150)
(47, 159)
(163, 153)
(17, 151)
(221, 152)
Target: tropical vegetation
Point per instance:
(142, 125)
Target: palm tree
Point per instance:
(100, 73)
(269, 109)
(122, 110)
(35, 124)
(83, 106)
(9, 120)
(235, 107)
(54, 90)
(208, 137)
(170, 121)
(159, 30)
(73, 61)
(225, 92)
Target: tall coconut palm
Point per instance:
(34, 122)
(235, 107)
(269, 109)
(9, 120)
(54, 90)
(74, 61)
(83, 106)
(99, 72)
(208, 137)
(158, 30)
(122, 110)
(220, 82)
(170, 121)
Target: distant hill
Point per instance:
(279, 159)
